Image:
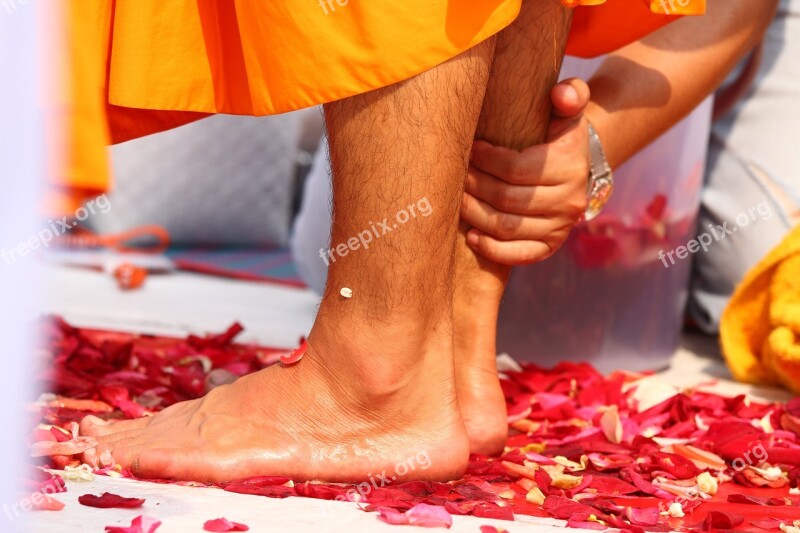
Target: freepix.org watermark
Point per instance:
(669, 5)
(716, 233)
(56, 227)
(376, 231)
(707, 484)
(329, 6)
(361, 491)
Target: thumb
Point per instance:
(570, 97)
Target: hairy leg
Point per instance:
(515, 114)
(377, 383)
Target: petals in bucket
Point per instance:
(223, 525)
(296, 355)
(140, 524)
(108, 500)
(422, 515)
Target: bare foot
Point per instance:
(479, 288)
(324, 418)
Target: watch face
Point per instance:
(599, 196)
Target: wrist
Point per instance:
(602, 122)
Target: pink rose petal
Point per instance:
(422, 515)
(140, 524)
(42, 501)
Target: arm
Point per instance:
(644, 89)
(638, 93)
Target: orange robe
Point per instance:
(137, 67)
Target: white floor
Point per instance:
(181, 303)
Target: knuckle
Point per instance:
(517, 171)
(577, 205)
(505, 226)
(505, 201)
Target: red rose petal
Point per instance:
(108, 500)
(768, 523)
(222, 525)
(555, 413)
(721, 520)
(296, 355)
(754, 500)
(564, 508)
(642, 517)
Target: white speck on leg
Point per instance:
(347, 293)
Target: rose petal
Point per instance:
(140, 524)
(108, 500)
(422, 515)
(222, 525)
(721, 520)
(612, 425)
(767, 523)
(296, 355)
(754, 500)
(642, 517)
(42, 501)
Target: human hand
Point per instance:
(522, 205)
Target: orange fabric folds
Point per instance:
(136, 67)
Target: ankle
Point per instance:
(363, 368)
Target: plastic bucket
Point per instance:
(608, 297)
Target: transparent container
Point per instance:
(607, 297)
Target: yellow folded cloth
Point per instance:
(760, 329)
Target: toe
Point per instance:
(93, 426)
(104, 430)
(148, 463)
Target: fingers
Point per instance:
(538, 201)
(522, 205)
(570, 97)
(505, 163)
(511, 239)
(508, 226)
(509, 253)
(564, 160)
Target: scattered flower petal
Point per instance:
(296, 355)
(140, 524)
(721, 520)
(223, 525)
(422, 515)
(108, 500)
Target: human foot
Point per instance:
(479, 288)
(310, 421)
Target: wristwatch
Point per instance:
(601, 181)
